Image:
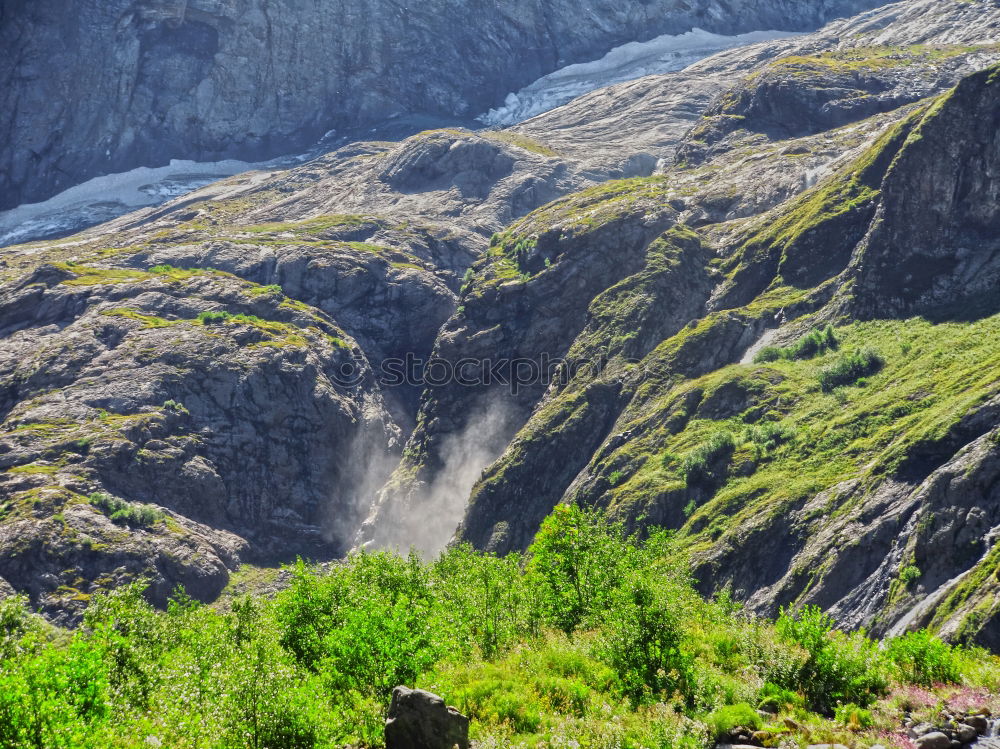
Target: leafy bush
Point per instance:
(213, 317)
(839, 668)
(698, 464)
(814, 343)
(175, 406)
(909, 575)
(490, 607)
(644, 645)
(854, 717)
(365, 626)
(768, 436)
(773, 698)
(723, 720)
(126, 513)
(574, 561)
(921, 658)
(850, 368)
(16, 622)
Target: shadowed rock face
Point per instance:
(121, 83)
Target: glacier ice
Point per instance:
(664, 54)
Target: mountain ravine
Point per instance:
(769, 280)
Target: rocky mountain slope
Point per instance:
(253, 79)
(768, 281)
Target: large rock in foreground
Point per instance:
(420, 720)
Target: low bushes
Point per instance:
(850, 368)
(814, 343)
(920, 658)
(699, 464)
(591, 636)
(839, 668)
(126, 513)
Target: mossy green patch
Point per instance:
(933, 375)
(520, 140)
(871, 59)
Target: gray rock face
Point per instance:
(121, 83)
(420, 720)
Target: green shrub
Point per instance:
(644, 645)
(574, 561)
(490, 608)
(213, 317)
(921, 658)
(909, 575)
(365, 627)
(773, 698)
(854, 717)
(850, 368)
(699, 464)
(839, 668)
(175, 406)
(814, 343)
(16, 622)
(766, 437)
(723, 720)
(126, 513)
(495, 699)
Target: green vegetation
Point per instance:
(872, 59)
(920, 658)
(520, 140)
(793, 439)
(312, 226)
(126, 513)
(262, 290)
(148, 321)
(590, 637)
(175, 406)
(909, 574)
(848, 369)
(815, 343)
(699, 462)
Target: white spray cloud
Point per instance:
(424, 516)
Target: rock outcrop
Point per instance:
(421, 720)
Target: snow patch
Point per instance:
(664, 54)
(104, 198)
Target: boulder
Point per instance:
(921, 729)
(420, 720)
(933, 740)
(966, 733)
(979, 723)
